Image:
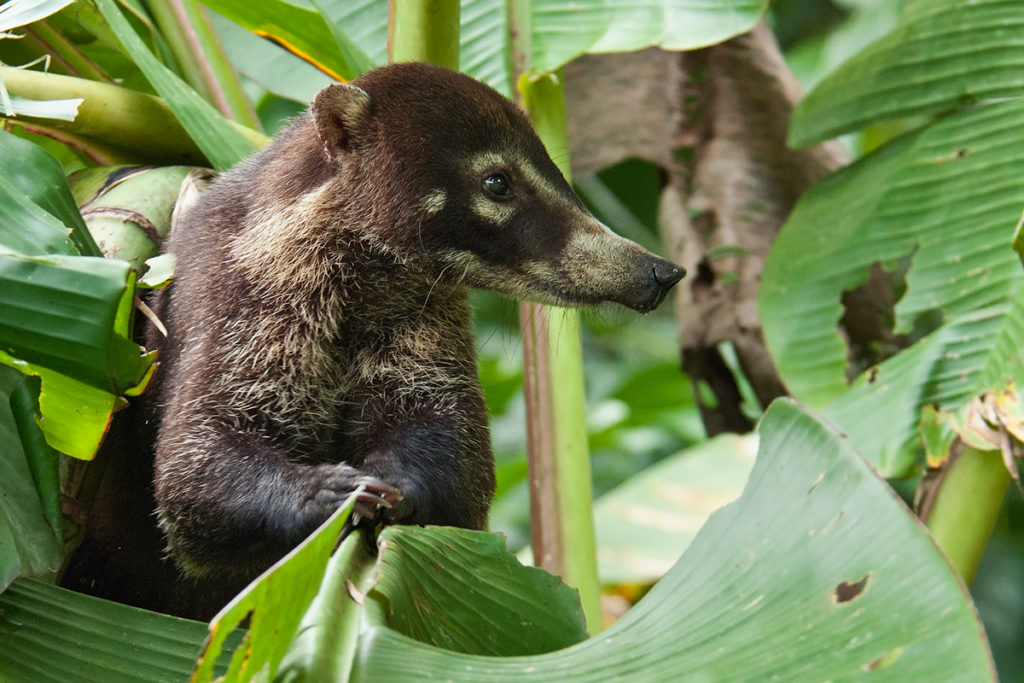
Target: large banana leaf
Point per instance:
(937, 207)
(943, 54)
(794, 581)
(947, 197)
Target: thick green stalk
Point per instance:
(167, 17)
(136, 125)
(966, 507)
(424, 31)
(201, 58)
(223, 73)
(560, 486)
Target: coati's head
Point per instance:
(453, 175)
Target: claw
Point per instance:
(376, 496)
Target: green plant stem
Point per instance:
(202, 60)
(424, 31)
(223, 72)
(967, 506)
(560, 485)
(140, 126)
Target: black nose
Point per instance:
(667, 274)
(664, 275)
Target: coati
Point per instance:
(319, 327)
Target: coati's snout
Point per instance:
(566, 262)
(602, 266)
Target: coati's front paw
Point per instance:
(337, 482)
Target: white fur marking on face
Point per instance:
(487, 161)
(491, 211)
(434, 201)
(536, 180)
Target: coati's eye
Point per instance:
(497, 185)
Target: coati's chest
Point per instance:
(329, 384)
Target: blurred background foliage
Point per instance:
(641, 408)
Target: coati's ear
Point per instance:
(339, 113)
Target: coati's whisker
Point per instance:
(433, 284)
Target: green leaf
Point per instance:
(76, 416)
(26, 228)
(328, 635)
(20, 12)
(478, 600)
(945, 198)
(564, 29)
(335, 14)
(275, 604)
(484, 43)
(942, 54)
(43, 461)
(277, 70)
(53, 635)
(974, 353)
(791, 582)
(61, 110)
(67, 319)
(71, 314)
(306, 33)
(29, 542)
(39, 178)
(159, 271)
(1018, 238)
(643, 524)
(223, 143)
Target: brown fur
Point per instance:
(320, 334)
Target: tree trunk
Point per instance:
(716, 121)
